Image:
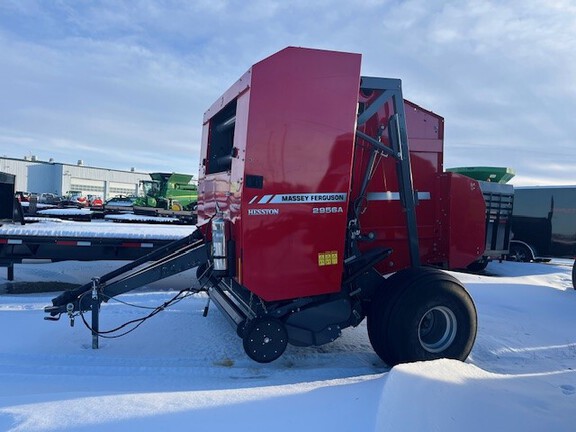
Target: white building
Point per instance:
(33, 175)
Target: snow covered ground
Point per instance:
(181, 371)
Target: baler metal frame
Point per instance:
(392, 89)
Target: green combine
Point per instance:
(490, 174)
(167, 194)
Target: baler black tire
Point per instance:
(378, 316)
(425, 314)
(377, 320)
(574, 275)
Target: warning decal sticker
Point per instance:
(327, 258)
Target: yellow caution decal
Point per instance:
(327, 258)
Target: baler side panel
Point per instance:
(300, 138)
(462, 219)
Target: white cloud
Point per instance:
(120, 78)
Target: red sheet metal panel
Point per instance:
(461, 211)
(287, 190)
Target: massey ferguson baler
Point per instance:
(322, 202)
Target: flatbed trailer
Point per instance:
(53, 241)
(184, 216)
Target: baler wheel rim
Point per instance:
(437, 329)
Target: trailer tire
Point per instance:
(424, 314)
(478, 266)
(520, 252)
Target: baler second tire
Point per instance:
(422, 314)
(264, 339)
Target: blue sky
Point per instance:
(124, 84)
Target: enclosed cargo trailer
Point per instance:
(544, 223)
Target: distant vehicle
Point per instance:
(23, 196)
(49, 198)
(81, 200)
(120, 203)
(95, 201)
(543, 223)
(168, 191)
(169, 195)
(74, 199)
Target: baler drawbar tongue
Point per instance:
(174, 258)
